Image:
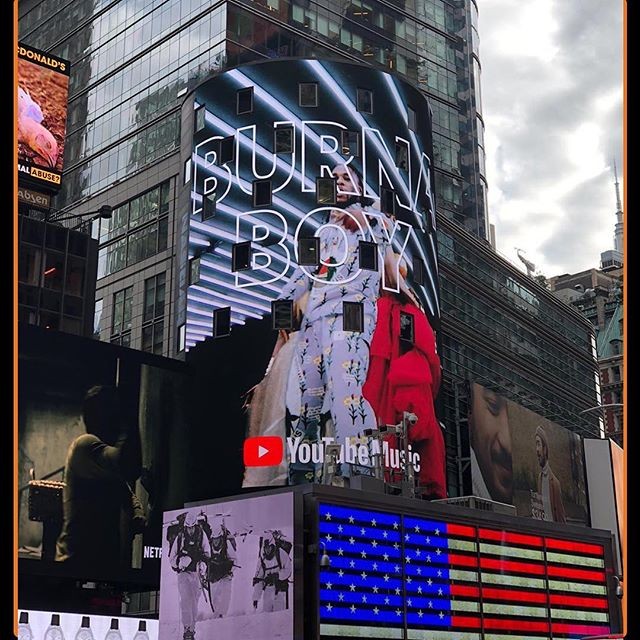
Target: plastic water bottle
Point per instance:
(54, 631)
(84, 632)
(24, 630)
(141, 633)
(114, 631)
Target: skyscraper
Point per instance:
(132, 65)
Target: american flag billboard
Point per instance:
(398, 576)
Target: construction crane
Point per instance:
(527, 263)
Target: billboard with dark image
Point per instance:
(43, 90)
(100, 437)
(227, 570)
(309, 257)
(520, 458)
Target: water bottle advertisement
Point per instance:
(44, 625)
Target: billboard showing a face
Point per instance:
(43, 89)
(227, 570)
(99, 433)
(520, 458)
(312, 213)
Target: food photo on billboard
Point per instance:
(321, 251)
(43, 90)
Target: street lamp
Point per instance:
(105, 212)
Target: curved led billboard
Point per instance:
(312, 212)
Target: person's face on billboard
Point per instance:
(491, 442)
(541, 452)
(345, 183)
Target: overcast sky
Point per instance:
(552, 105)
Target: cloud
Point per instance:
(552, 105)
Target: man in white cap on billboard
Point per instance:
(548, 483)
(271, 581)
(189, 557)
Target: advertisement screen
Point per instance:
(100, 456)
(311, 240)
(603, 459)
(43, 89)
(398, 576)
(46, 625)
(520, 458)
(227, 570)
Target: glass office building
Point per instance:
(134, 61)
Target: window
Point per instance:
(282, 314)
(222, 322)
(244, 101)
(407, 331)
(53, 274)
(387, 201)
(368, 255)
(200, 122)
(187, 171)
(241, 256)
(411, 119)
(153, 314)
(309, 252)
(418, 271)
(402, 156)
(154, 297)
(283, 140)
(121, 317)
(153, 337)
(262, 193)
(308, 94)
(364, 100)
(137, 230)
(97, 319)
(350, 143)
(326, 190)
(208, 206)
(182, 337)
(227, 150)
(352, 316)
(29, 265)
(194, 270)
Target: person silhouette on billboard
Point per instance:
(99, 466)
(271, 580)
(332, 363)
(222, 561)
(404, 375)
(548, 484)
(189, 558)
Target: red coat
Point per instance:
(408, 382)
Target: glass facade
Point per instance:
(130, 61)
(136, 231)
(121, 318)
(153, 314)
(55, 288)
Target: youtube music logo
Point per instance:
(262, 451)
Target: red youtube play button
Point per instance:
(262, 451)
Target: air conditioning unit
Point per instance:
(482, 504)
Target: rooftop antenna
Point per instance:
(527, 263)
